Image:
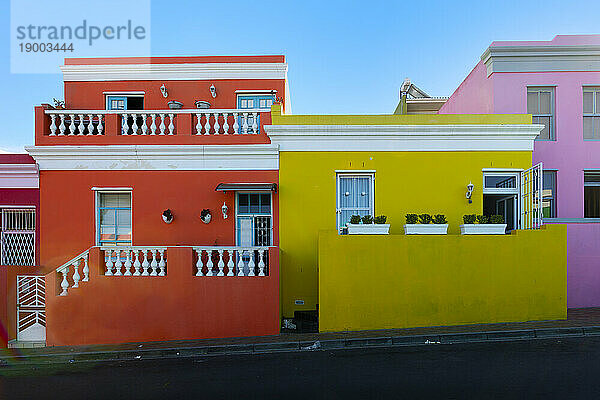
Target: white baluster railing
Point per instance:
(80, 123)
(154, 122)
(77, 275)
(125, 260)
(231, 261)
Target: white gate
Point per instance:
(31, 308)
(530, 197)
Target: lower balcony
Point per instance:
(150, 293)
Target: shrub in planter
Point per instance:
(469, 218)
(497, 219)
(439, 219)
(367, 219)
(482, 219)
(425, 219)
(355, 219)
(380, 219)
(412, 218)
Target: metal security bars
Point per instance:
(531, 198)
(31, 307)
(18, 236)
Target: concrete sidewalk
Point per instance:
(579, 323)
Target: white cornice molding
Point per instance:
(156, 157)
(541, 58)
(515, 137)
(173, 72)
(19, 176)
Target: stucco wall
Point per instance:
(473, 95)
(405, 182)
(397, 281)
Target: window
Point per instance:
(591, 113)
(540, 104)
(500, 196)
(114, 219)
(125, 102)
(254, 219)
(354, 196)
(549, 194)
(18, 236)
(591, 194)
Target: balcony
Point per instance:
(189, 126)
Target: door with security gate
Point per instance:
(530, 197)
(31, 308)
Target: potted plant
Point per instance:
(367, 225)
(424, 225)
(493, 226)
(175, 105)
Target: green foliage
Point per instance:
(355, 219)
(425, 219)
(367, 219)
(439, 219)
(412, 218)
(380, 219)
(497, 219)
(469, 218)
(482, 219)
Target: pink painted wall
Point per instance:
(569, 154)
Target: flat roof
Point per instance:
(174, 60)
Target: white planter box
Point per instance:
(483, 229)
(368, 229)
(426, 229)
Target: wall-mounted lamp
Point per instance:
(205, 216)
(167, 216)
(213, 91)
(469, 193)
(224, 208)
(163, 90)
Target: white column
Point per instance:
(225, 123)
(100, 126)
(72, 125)
(128, 263)
(153, 264)
(162, 264)
(62, 127)
(90, 127)
(199, 263)
(209, 263)
(255, 123)
(251, 263)
(118, 264)
(261, 262)
(137, 266)
(53, 125)
(244, 123)
(81, 126)
(86, 269)
(230, 263)
(161, 127)
(109, 263)
(134, 125)
(171, 125)
(207, 124)
(124, 127)
(198, 124)
(145, 263)
(240, 264)
(144, 126)
(65, 283)
(153, 125)
(236, 126)
(220, 264)
(217, 127)
(76, 276)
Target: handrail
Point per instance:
(164, 111)
(72, 260)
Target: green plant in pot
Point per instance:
(355, 219)
(469, 218)
(412, 219)
(367, 220)
(482, 219)
(439, 219)
(497, 219)
(425, 219)
(380, 219)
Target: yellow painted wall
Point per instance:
(405, 182)
(397, 281)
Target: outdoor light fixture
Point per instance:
(224, 208)
(167, 216)
(470, 188)
(163, 90)
(213, 91)
(205, 216)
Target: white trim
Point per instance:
(256, 91)
(19, 176)
(517, 137)
(138, 93)
(502, 172)
(355, 173)
(16, 206)
(541, 58)
(173, 72)
(112, 189)
(157, 157)
(502, 169)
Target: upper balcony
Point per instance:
(146, 127)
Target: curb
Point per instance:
(28, 361)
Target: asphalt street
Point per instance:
(546, 369)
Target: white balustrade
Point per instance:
(80, 123)
(154, 122)
(125, 261)
(73, 266)
(235, 261)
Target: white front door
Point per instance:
(31, 308)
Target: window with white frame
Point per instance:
(114, 218)
(540, 104)
(591, 113)
(254, 220)
(549, 194)
(18, 236)
(591, 194)
(354, 196)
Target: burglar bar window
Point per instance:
(18, 237)
(591, 194)
(254, 219)
(591, 113)
(540, 104)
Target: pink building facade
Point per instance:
(558, 82)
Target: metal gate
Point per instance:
(31, 308)
(17, 236)
(530, 198)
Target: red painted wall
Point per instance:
(110, 309)
(68, 208)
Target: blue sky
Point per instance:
(343, 56)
